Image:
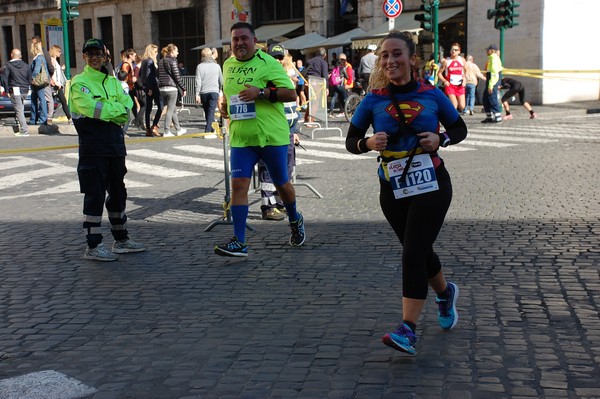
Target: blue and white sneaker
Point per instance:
(403, 340)
(232, 248)
(447, 314)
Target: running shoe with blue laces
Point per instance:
(403, 340)
(447, 314)
(233, 248)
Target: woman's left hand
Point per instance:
(429, 141)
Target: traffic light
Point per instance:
(426, 17)
(504, 14)
(71, 6)
(513, 14)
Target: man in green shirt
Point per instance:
(255, 88)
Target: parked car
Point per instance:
(7, 110)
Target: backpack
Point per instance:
(126, 68)
(335, 79)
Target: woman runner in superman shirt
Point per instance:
(414, 202)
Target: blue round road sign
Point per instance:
(392, 8)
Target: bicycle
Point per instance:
(358, 93)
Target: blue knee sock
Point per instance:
(291, 211)
(239, 213)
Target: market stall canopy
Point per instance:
(215, 44)
(308, 40)
(405, 22)
(343, 39)
(264, 33)
(267, 32)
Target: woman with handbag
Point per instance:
(415, 187)
(170, 83)
(40, 80)
(59, 81)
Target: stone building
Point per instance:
(192, 23)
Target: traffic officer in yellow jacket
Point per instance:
(100, 108)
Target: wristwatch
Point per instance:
(261, 94)
(444, 140)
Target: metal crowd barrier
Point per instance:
(190, 93)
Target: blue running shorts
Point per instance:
(275, 158)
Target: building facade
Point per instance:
(192, 23)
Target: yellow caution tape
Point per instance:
(556, 74)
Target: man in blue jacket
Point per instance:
(100, 107)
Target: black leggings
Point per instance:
(417, 221)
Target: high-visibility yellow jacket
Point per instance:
(493, 69)
(100, 107)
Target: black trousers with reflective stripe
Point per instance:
(99, 176)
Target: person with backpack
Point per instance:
(341, 79)
(130, 67)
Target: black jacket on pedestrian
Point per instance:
(317, 66)
(17, 74)
(168, 73)
(148, 75)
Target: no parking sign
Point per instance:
(392, 8)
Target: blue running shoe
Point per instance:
(232, 248)
(298, 235)
(403, 339)
(447, 314)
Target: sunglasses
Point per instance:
(95, 54)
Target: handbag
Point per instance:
(41, 79)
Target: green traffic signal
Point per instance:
(491, 13)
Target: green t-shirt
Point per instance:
(270, 126)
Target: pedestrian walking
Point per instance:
(59, 80)
(408, 142)
(17, 76)
(493, 69)
(255, 88)
(149, 79)
(514, 87)
(170, 84)
(209, 81)
(100, 108)
(341, 80)
(367, 63)
(472, 76)
(47, 92)
(40, 81)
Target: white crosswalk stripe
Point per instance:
(28, 176)
(151, 169)
(18, 176)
